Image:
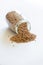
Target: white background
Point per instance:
(30, 53)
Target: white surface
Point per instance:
(30, 53)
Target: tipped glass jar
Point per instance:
(14, 20)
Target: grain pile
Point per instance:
(23, 34)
